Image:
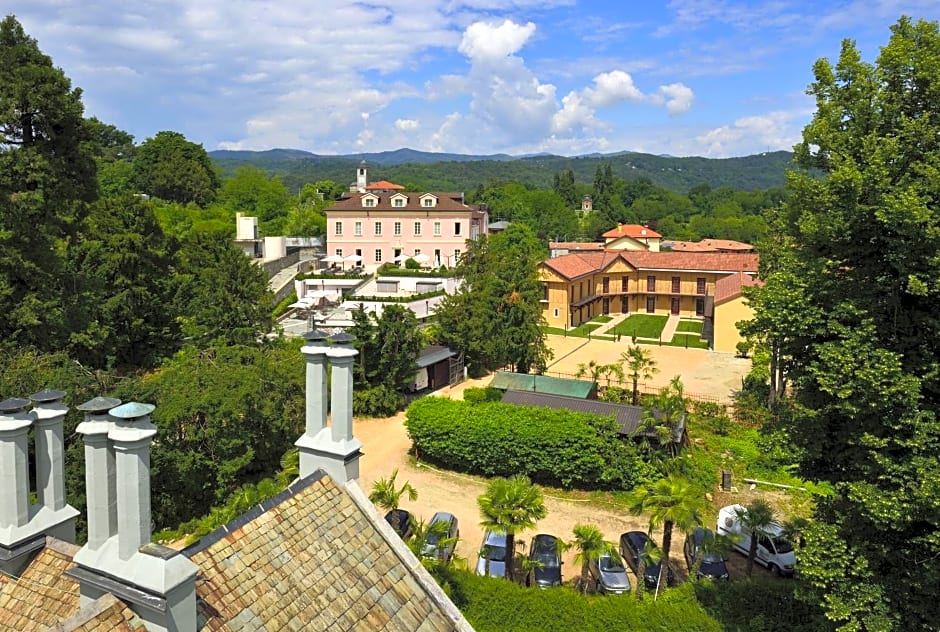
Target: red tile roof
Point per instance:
(636, 231)
(575, 245)
(699, 261)
(384, 184)
(574, 265)
(710, 245)
(729, 287)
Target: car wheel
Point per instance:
(773, 568)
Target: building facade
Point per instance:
(382, 223)
(577, 287)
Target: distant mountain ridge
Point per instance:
(431, 171)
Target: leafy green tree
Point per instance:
(222, 296)
(563, 185)
(496, 316)
(756, 519)
(226, 415)
(590, 545)
(639, 365)
(861, 227)
(671, 502)
(546, 213)
(387, 495)
(172, 168)
(511, 505)
(252, 192)
(47, 179)
(665, 415)
(120, 310)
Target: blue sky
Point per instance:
(685, 77)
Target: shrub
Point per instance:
(378, 401)
(476, 395)
(552, 447)
(493, 604)
(760, 605)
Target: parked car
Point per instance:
(610, 574)
(442, 548)
(405, 528)
(493, 551)
(713, 564)
(544, 550)
(632, 545)
(773, 550)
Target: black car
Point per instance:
(713, 564)
(632, 545)
(441, 547)
(404, 528)
(544, 549)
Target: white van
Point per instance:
(773, 551)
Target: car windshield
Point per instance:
(713, 558)
(547, 559)
(496, 553)
(782, 546)
(610, 565)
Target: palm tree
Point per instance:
(387, 496)
(640, 364)
(671, 501)
(511, 505)
(755, 518)
(591, 545)
(422, 537)
(649, 555)
(666, 416)
(711, 543)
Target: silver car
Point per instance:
(442, 548)
(610, 574)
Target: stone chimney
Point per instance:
(100, 490)
(23, 525)
(333, 449)
(156, 582)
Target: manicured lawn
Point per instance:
(582, 330)
(602, 319)
(690, 326)
(642, 326)
(692, 341)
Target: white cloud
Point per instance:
(406, 125)
(612, 87)
(677, 97)
(766, 132)
(491, 41)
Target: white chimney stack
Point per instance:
(332, 449)
(100, 490)
(157, 583)
(23, 525)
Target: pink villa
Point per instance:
(382, 223)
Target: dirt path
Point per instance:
(386, 445)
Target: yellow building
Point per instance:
(579, 286)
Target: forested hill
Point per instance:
(457, 172)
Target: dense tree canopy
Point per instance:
(172, 168)
(858, 331)
(47, 179)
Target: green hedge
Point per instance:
(552, 447)
(498, 605)
(761, 604)
(396, 299)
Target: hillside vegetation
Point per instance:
(453, 172)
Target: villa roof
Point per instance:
(587, 246)
(691, 261)
(636, 231)
(445, 202)
(729, 287)
(576, 264)
(711, 245)
(384, 185)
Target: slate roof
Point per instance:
(317, 557)
(445, 202)
(43, 597)
(508, 381)
(627, 417)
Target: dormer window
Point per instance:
(399, 200)
(370, 200)
(428, 201)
